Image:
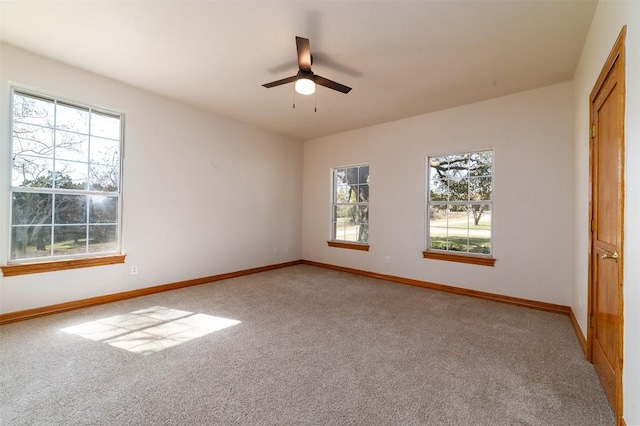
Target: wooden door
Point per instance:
(607, 208)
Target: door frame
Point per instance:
(617, 55)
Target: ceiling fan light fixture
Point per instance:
(305, 86)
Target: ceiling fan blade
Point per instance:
(331, 84)
(280, 82)
(304, 53)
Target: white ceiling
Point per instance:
(402, 58)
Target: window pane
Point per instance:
(480, 228)
(480, 189)
(31, 208)
(342, 194)
(351, 176)
(445, 181)
(435, 164)
(32, 140)
(70, 209)
(72, 118)
(346, 223)
(362, 220)
(345, 214)
(339, 231)
(362, 213)
(363, 174)
(438, 223)
(363, 193)
(33, 172)
(458, 190)
(70, 175)
(72, 146)
(481, 163)
(104, 125)
(104, 178)
(449, 228)
(453, 167)
(363, 233)
(69, 240)
(103, 209)
(30, 241)
(105, 151)
(438, 188)
(103, 238)
(340, 177)
(458, 228)
(32, 110)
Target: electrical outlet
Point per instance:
(387, 259)
(275, 250)
(134, 270)
(286, 249)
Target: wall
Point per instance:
(609, 18)
(531, 134)
(203, 195)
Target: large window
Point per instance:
(459, 203)
(65, 179)
(350, 216)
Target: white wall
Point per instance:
(203, 195)
(609, 18)
(531, 134)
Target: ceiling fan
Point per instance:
(306, 80)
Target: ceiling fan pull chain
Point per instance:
(294, 98)
(315, 101)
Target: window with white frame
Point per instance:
(460, 203)
(65, 179)
(350, 208)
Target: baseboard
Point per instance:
(100, 300)
(532, 304)
(85, 303)
(579, 335)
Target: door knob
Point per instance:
(613, 256)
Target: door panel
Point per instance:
(607, 207)
(605, 271)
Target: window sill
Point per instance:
(462, 258)
(350, 246)
(60, 265)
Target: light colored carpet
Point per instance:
(313, 347)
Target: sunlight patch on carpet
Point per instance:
(150, 330)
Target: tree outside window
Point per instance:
(459, 202)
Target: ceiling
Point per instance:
(402, 58)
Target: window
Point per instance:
(350, 215)
(65, 179)
(459, 204)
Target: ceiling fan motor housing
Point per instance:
(305, 74)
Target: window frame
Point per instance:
(340, 243)
(451, 255)
(53, 262)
